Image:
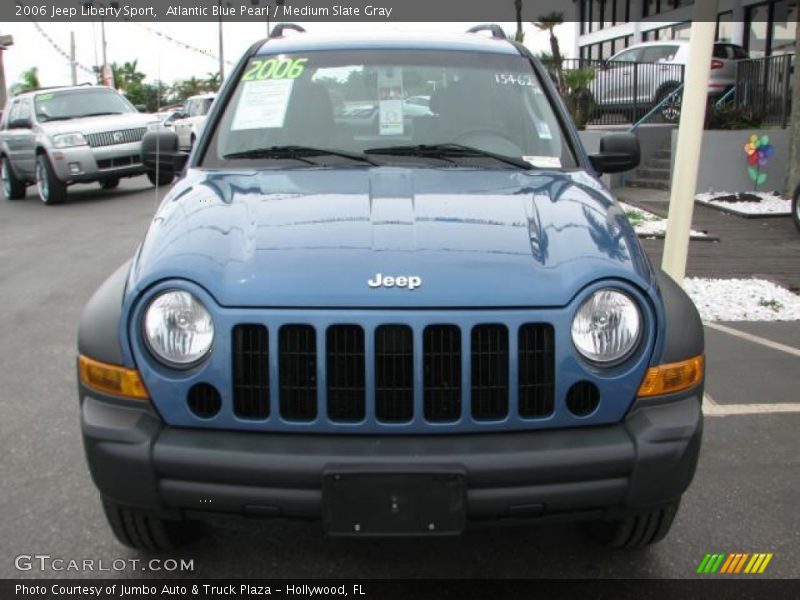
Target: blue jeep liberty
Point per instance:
(389, 292)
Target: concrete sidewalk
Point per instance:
(766, 248)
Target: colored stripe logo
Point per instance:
(734, 563)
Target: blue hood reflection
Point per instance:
(313, 237)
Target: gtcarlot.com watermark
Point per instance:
(46, 562)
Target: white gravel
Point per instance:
(742, 300)
(647, 224)
(770, 203)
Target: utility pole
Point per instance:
(73, 67)
(5, 42)
(690, 139)
(221, 53)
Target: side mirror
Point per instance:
(20, 123)
(618, 152)
(140, 107)
(160, 151)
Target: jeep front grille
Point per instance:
(489, 372)
(297, 366)
(112, 138)
(345, 373)
(536, 370)
(250, 371)
(335, 374)
(394, 373)
(442, 364)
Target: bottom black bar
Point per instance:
(369, 589)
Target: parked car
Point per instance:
(167, 118)
(59, 136)
(397, 327)
(188, 123)
(644, 75)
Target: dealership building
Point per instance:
(604, 27)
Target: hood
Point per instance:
(100, 123)
(317, 237)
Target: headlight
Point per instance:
(66, 140)
(178, 329)
(155, 126)
(607, 326)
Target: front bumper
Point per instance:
(610, 471)
(119, 160)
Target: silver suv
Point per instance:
(59, 136)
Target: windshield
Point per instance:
(73, 104)
(359, 101)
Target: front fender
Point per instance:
(683, 334)
(98, 331)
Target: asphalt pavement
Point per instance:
(744, 497)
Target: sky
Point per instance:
(161, 59)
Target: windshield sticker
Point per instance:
(272, 68)
(543, 162)
(263, 104)
(543, 129)
(390, 101)
(515, 79)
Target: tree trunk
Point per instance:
(558, 63)
(519, 37)
(793, 170)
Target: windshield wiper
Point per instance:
(448, 150)
(301, 153)
(98, 114)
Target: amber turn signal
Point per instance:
(671, 378)
(111, 379)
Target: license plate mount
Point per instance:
(394, 503)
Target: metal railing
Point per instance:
(764, 86)
(624, 92)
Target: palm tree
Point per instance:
(548, 23)
(213, 81)
(519, 36)
(29, 80)
(129, 74)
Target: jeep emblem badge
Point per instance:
(116, 136)
(410, 282)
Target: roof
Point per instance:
(463, 42)
(59, 88)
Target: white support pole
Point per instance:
(690, 139)
(73, 71)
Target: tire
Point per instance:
(163, 178)
(670, 112)
(109, 183)
(51, 189)
(638, 531)
(13, 188)
(796, 208)
(143, 531)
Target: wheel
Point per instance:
(142, 531)
(164, 178)
(13, 188)
(638, 531)
(796, 208)
(109, 183)
(51, 189)
(671, 110)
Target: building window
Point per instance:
(724, 27)
(784, 26)
(621, 11)
(771, 28)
